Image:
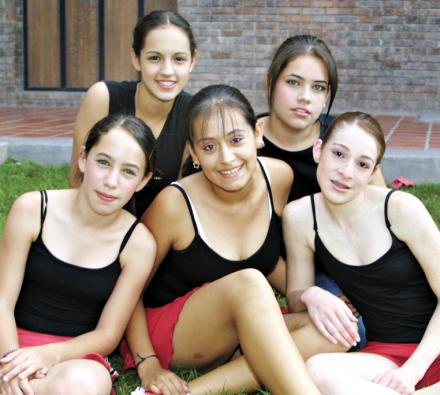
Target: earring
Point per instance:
(196, 165)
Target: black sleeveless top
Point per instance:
(60, 298)
(392, 293)
(169, 145)
(183, 270)
(301, 162)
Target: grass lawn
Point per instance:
(17, 178)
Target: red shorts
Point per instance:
(399, 353)
(161, 322)
(28, 339)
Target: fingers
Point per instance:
(25, 387)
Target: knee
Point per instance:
(246, 282)
(82, 378)
(320, 368)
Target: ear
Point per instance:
(194, 59)
(259, 135)
(82, 159)
(135, 60)
(192, 152)
(144, 181)
(317, 150)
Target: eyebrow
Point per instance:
(232, 132)
(303, 79)
(348, 149)
(109, 157)
(154, 52)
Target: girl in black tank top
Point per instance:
(382, 248)
(218, 236)
(71, 261)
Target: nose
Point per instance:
(167, 67)
(347, 169)
(111, 180)
(305, 94)
(227, 153)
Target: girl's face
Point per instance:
(226, 148)
(301, 92)
(113, 171)
(165, 62)
(346, 162)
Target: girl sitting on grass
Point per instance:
(218, 235)
(71, 261)
(382, 247)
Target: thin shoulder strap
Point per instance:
(128, 234)
(43, 209)
(387, 198)
(188, 203)
(315, 224)
(267, 179)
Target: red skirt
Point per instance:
(399, 354)
(161, 322)
(28, 339)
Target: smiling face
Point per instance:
(300, 93)
(113, 171)
(164, 62)
(225, 145)
(346, 162)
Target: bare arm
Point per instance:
(94, 107)
(22, 227)
(165, 209)
(136, 263)
(412, 224)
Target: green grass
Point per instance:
(17, 178)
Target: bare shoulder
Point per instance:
(299, 210)
(140, 248)
(25, 214)
(167, 207)
(281, 176)
(97, 94)
(407, 215)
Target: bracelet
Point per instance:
(8, 352)
(142, 359)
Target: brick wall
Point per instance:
(388, 51)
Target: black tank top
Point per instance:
(183, 270)
(301, 162)
(169, 145)
(392, 293)
(60, 298)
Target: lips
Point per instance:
(106, 197)
(165, 84)
(231, 172)
(340, 186)
(301, 112)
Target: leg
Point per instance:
(431, 390)
(348, 374)
(239, 375)
(239, 308)
(74, 377)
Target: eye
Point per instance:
(129, 172)
(153, 58)
(338, 153)
(236, 139)
(319, 88)
(208, 147)
(181, 59)
(103, 162)
(292, 82)
(364, 165)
